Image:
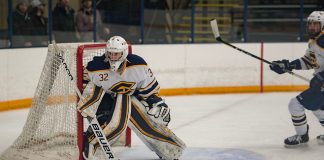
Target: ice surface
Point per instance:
(215, 127)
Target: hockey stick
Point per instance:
(93, 122)
(214, 27)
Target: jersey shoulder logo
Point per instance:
(313, 60)
(122, 87)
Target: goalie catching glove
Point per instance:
(157, 109)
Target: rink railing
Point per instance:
(180, 70)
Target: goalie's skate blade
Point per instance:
(84, 156)
(301, 145)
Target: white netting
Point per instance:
(50, 131)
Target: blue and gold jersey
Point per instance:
(134, 77)
(314, 57)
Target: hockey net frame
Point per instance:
(49, 136)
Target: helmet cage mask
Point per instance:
(316, 16)
(116, 47)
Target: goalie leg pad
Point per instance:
(155, 136)
(119, 119)
(164, 150)
(117, 123)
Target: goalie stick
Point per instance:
(93, 122)
(214, 27)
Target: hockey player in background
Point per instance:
(313, 97)
(121, 91)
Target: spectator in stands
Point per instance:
(63, 22)
(84, 23)
(22, 25)
(320, 4)
(39, 22)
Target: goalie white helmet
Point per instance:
(116, 52)
(315, 16)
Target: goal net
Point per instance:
(54, 128)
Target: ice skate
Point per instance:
(320, 139)
(297, 140)
(88, 149)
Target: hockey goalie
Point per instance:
(122, 91)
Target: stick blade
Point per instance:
(213, 24)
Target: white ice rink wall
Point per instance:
(177, 66)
